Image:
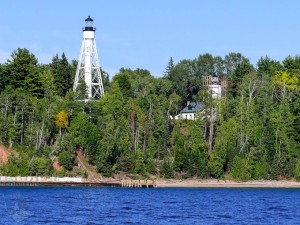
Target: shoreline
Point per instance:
(157, 183)
(213, 183)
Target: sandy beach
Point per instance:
(193, 183)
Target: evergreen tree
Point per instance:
(22, 72)
(62, 72)
(252, 133)
(169, 69)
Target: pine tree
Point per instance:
(62, 73)
(65, 71)
(169, 68)
(23, 73)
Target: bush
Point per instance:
(260, 170)
(104, 168)
(240, 169)
(40, 166)
(139, 166)
(16, 166)
(150, 166)
(276, 167)
(283, 166)
(166, 170)
(66, 159)
(215, 167)
(297, 170)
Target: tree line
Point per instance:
(255, 134)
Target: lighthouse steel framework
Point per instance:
(88, 68)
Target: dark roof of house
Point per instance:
(192, 108)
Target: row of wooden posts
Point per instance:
(139, 183)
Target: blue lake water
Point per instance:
(94, 205)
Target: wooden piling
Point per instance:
(138, 183)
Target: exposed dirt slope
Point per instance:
(90, 170)
(4, 154)
(56, 165)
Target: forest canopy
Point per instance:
(255, 134)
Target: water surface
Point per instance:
(94, 205)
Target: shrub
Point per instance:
(260, 170)
(16, 166)
(297, 170)
(66, 159)
(166, 170)
(215, 167)
(40, 166)
(150, 166)
(240, 169)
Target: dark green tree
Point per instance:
(169, 69)
(66, 159)
(63, 74)
(166, 169)
(22, 73)
(123, 80)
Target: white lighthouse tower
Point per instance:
(88, 68)
(215, 87)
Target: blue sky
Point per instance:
(145, 34)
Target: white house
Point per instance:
(213, 84)
(190, 111)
